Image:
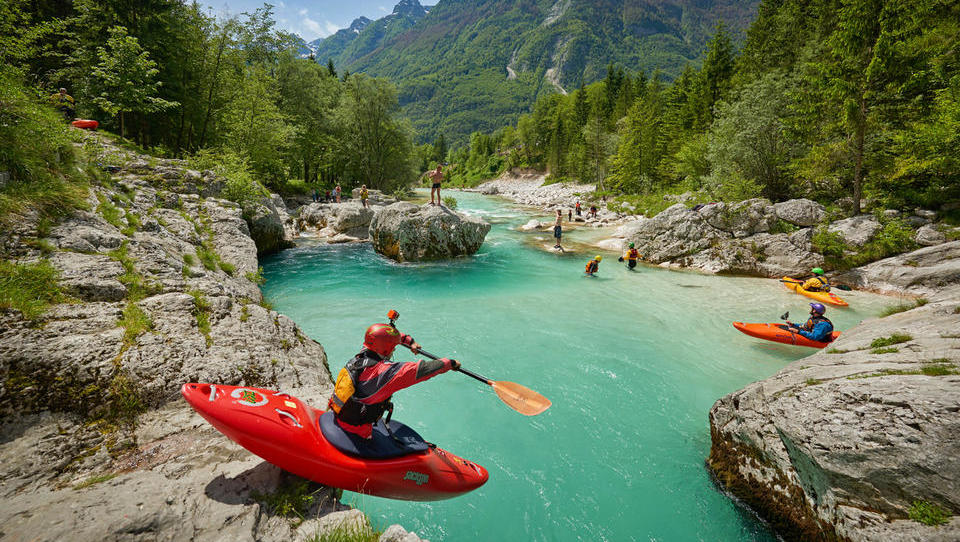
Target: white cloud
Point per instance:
(331, 27)
(383, 9)
(281, 5)
(303, 11)
(313, 26)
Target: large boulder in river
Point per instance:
(800, 212)
(673, 233)
(266, 225)
(351, 218)
(406, 232)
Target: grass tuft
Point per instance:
(95, 480)
(134, 322)
(894, 309)
(896, 338)
(201, 311)
(885, 350)
(29, 288)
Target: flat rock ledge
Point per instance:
(406, 232)
(839, 445)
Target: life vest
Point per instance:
(344, 403)
(821, 284)
(814, 320)
(592, 266)
(633, 254)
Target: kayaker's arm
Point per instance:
(404, 375)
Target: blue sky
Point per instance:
(311, 19)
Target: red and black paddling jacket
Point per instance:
(375, 380)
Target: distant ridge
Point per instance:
(463, 66)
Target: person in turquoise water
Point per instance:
(817, 328)
(368, 381)
(631, 256)
(593, 265)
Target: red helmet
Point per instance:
(382, 339)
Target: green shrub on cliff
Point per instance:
(37, 154)
(927, 513)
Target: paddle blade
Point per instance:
(785, 315)
(522, 399)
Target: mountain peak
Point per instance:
(409, 8)
(359, 23)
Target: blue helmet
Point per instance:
(818, 308)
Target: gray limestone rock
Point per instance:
(674, 233)
(857, 230)
(928, 236)
(91, 277)
(921, 272)
(406, 232)
(841, 443)
(267, 227)
(741, 219)
(800, 212)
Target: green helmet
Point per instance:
(631, 245)
(817, 271)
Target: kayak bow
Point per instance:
(284, 431)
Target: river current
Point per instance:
(632, 360)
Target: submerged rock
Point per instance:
(407, 233)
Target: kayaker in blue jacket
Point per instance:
(817, 328)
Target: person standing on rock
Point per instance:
(336, 193)
(366, 384)
(558, 229)
(364, 194)
(578, 208)
(436, 176)
(817, 328)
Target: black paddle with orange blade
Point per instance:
(520, 398)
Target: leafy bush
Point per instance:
(450, 202)
(239, 186)
(832, 245)
(927, 513)
(29, 288)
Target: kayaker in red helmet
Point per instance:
(367, 382)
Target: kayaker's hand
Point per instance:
(415, 347)
(620, 259)
(454, 364)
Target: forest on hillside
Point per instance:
(228, 94)
(833, 99)
(856, 99)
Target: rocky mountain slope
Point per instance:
(467, 66)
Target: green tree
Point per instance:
(126, 78)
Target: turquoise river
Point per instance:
(632, 360)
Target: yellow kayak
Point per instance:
(823, 297)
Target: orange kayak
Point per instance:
(823, 297)
(780, 334)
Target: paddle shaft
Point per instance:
(461, 369)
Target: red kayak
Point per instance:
(779, 333)
(305, 441)
(86, 124)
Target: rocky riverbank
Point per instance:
(857, 442)
(158, 281)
